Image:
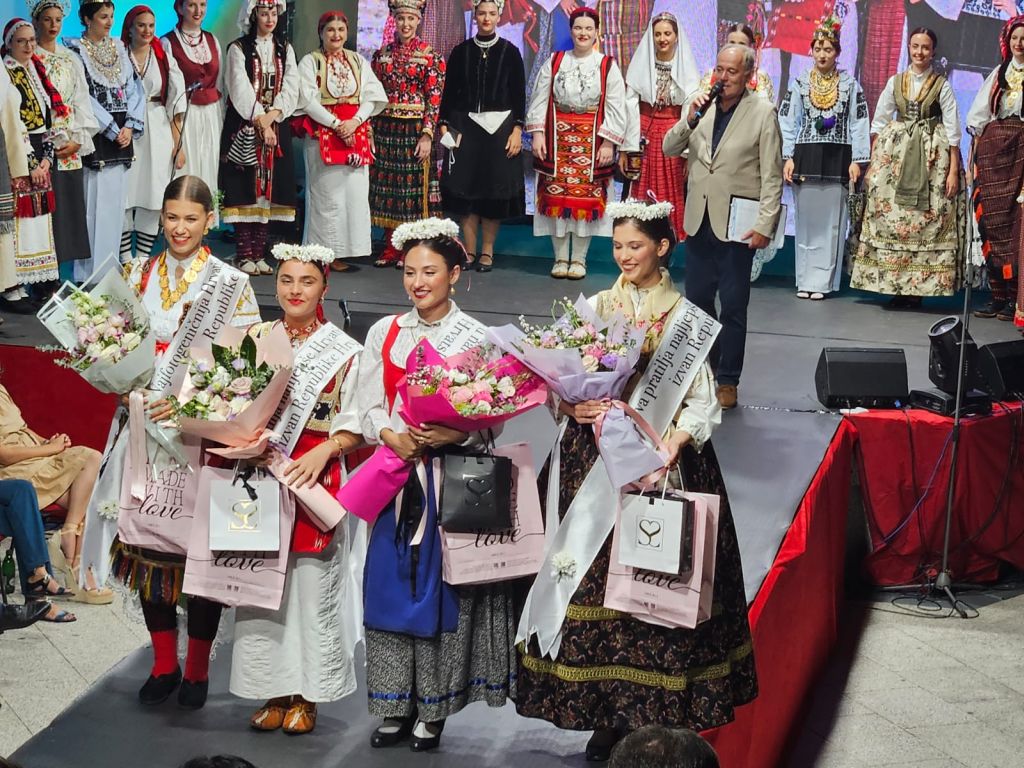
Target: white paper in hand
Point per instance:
(743, 214)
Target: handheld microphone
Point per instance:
(194, 87)
(714, 93)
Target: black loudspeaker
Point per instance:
(851, 377)
(1002, 369)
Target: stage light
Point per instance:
(944, 356)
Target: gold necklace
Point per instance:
(169, 298)
(824, 90)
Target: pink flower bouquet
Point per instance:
(466, 391)
(230, 390)
(580, 356)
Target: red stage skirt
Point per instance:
(573, 193)
(664, 177)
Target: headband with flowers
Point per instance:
(639, 210)
(424, 229)
(828, 29)
(406, 6)
(305, 253)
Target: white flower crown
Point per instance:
(638, 209)
(424, 229)
(306, 253)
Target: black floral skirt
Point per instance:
(614, 671)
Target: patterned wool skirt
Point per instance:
(614, 671)
(661, 175)
(401, 187)
(572, 192)
(999, 159)
(905, 251)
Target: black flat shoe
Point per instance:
(601, 744)
(425, 743)
(18, 306)
(482, 266)
(158, 688)
(192, 695)
(381, 738)
(21, 616)
(991, 309)
(1006, 313)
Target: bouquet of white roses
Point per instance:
(104, 330)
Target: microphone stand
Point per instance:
(944, 580)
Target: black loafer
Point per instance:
(381, 738)
(158, 688)
(423, 744)
(192, 695)
(991, 309)
(481, 266)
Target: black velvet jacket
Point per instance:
(478, 83)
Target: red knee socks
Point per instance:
(165, 652)
(197, 661)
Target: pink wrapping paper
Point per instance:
(235, 578)
(379, 478)
(248, 428)
(324, 510)
(479, 558)
(665, 600)
(628, 458)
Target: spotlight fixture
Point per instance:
(944, 355)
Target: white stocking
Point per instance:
(561, 247)
(580, 246)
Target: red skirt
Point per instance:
(573, 192)
(662, 176)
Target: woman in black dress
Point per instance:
(482, 113)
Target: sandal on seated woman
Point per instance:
(40, 586)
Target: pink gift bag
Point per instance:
(235, 578)
(478, 558)
(161, 518)
(664, 599)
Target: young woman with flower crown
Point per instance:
(301, 654)
(435, 649)
(119, 105)
(614, 673)
(825, 143)
(184, 283)
(578, 108)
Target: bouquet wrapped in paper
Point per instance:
(105, 331)
(229, 390)
(469, 391)
(580, 356)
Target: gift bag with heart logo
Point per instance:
(244, 513)
(484, 556)
(656, 531)
(476, 492)
(669, 599)
(234, 577)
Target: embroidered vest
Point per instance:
(204, 74)
(321, 78)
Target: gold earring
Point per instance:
(451, 290)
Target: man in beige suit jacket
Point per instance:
(735, 150)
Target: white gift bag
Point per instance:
(656, 532)
(245, 513)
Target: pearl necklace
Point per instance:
(485, 45)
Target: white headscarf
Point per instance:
(642, 75)
(250, 5)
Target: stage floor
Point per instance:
(769, 449)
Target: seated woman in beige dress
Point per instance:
(62, 474)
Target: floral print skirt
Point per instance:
(614, 671)
(903, 251)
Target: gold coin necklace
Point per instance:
(169, 298)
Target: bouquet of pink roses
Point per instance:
(469, 391)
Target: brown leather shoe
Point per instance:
(301, 717)
(270, 716)
(726, 394)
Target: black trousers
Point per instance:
(715, 267)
